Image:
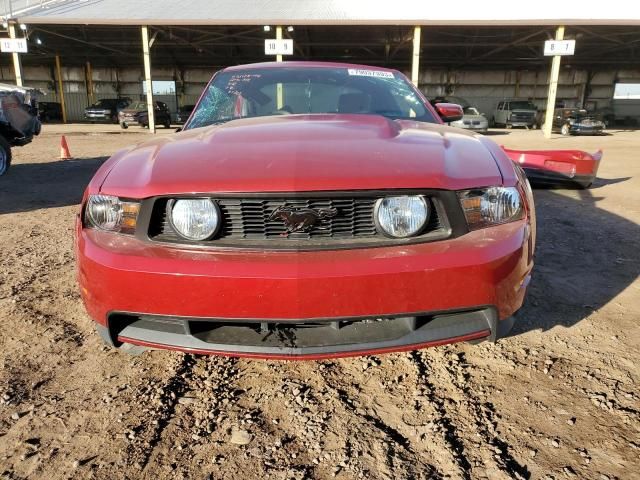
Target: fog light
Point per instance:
(401, 217)
(195, 218)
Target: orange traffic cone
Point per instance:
(64, 149)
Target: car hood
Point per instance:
(132, 111)
(304, 153)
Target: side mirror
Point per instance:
(449, 112)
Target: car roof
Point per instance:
(250, 66)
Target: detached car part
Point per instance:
(558, 167)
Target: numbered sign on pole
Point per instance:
(278, 47)
(13, 45)
(559, 47)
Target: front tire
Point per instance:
(5, 156)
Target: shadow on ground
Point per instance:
(32, 186)
(585, 257)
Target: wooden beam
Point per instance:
(61, 89)
(89, 75)
(553, 88)
(147, 77)
(510, 44)
(17, 64)
(415, 65)
(92, 44)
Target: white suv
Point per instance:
(514, 113)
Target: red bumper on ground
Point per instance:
(557, 166)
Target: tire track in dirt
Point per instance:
(479, 416)
(437, 398)
(403, 456)
(196, 400)
(162, 395)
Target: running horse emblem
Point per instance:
(302, 219)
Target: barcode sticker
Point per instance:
(369, 73)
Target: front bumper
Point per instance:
(98, 117)
(586, 130)
(541, 177)
(475, 128)
(265, 303)
(557, 167)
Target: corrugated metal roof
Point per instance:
(322, 12)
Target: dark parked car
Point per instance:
(184, 113)
(18, 120)
(137, 113)
(48, 111)
(106, 110)
(576, 121)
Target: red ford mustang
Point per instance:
(307, 210)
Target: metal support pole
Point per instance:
(415, 66)
(147, 77)
(17, 64)
(279, 93)
(278, 37)
(553, 87)
(89, 75)
(61, 89)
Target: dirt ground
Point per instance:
(558, 399)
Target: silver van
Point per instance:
(514, 113)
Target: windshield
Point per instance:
(470, 111)
(575, 112)
(104, 103)
(307, 90)
(523, 106)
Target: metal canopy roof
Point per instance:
(321, 12)
(479, 47)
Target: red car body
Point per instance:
(326, 300)
(557, 167)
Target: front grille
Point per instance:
(246, 223)
(522, 116)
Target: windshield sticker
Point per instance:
(369, 73)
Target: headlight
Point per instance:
(194, 219)
(106, 212)
(401, 217)
(491, 206)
